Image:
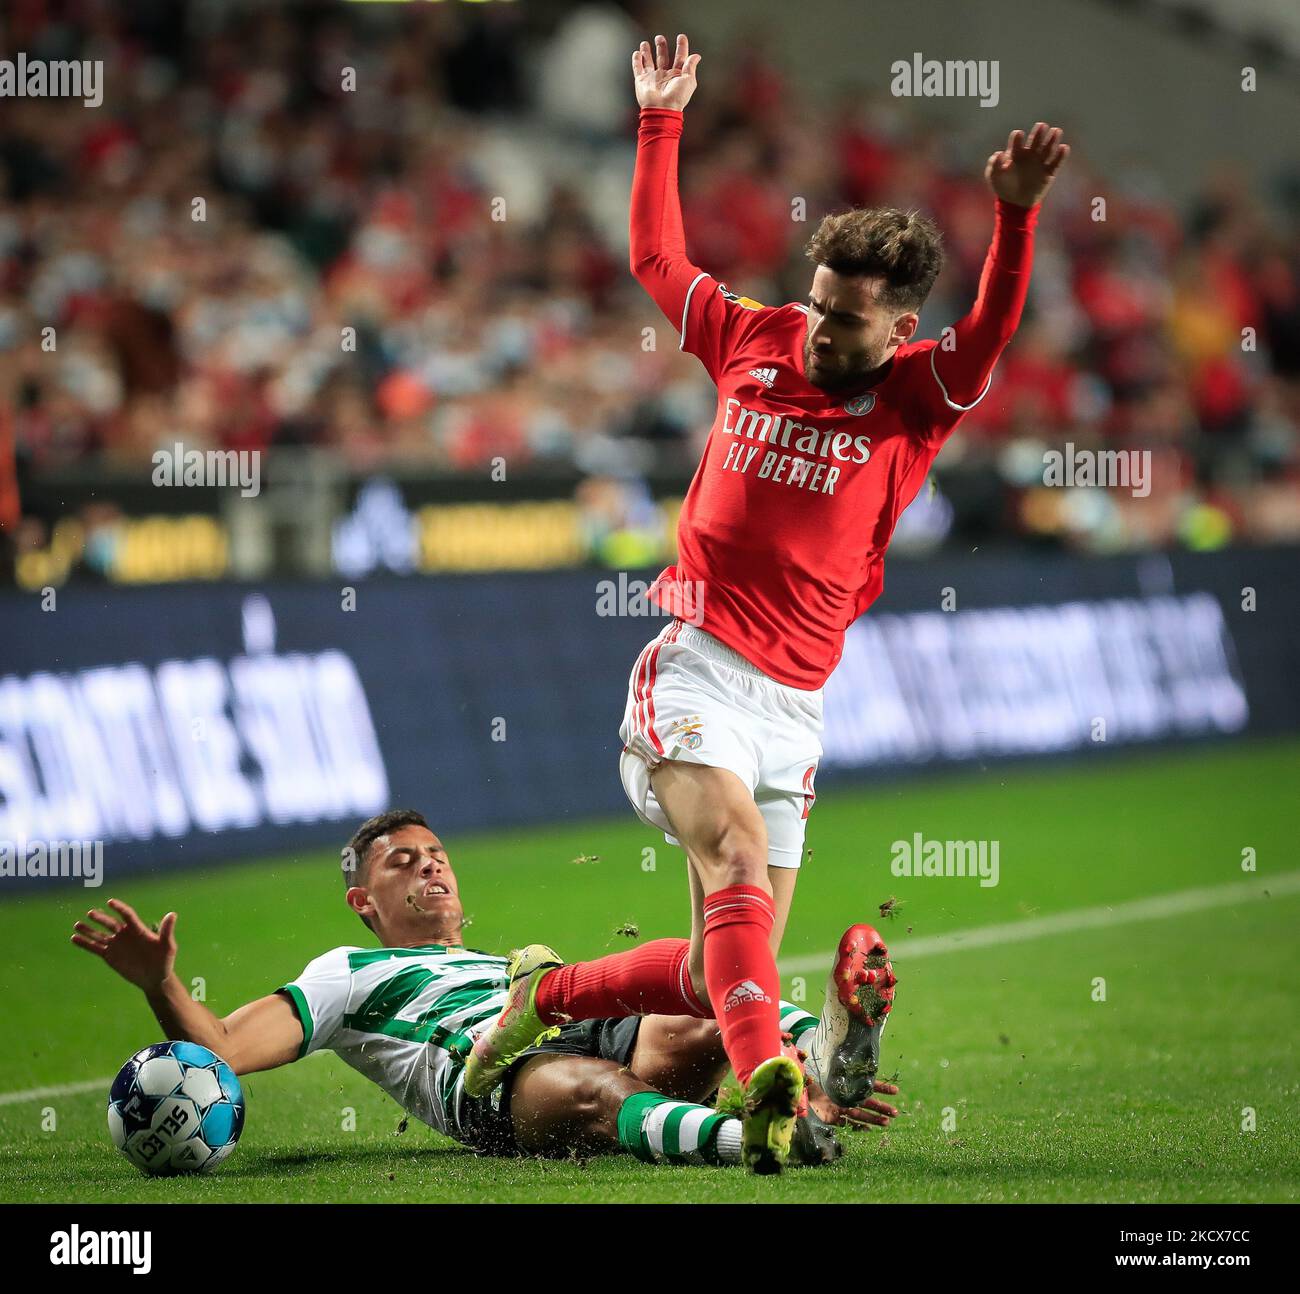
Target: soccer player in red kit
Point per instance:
(829, 416)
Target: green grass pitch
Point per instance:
(1017, 1084)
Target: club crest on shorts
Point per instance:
(687, 732)
(860, 404)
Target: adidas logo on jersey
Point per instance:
(745, 991)
(765, 375)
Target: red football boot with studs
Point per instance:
(844, 1049)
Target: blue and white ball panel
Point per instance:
(218, 1126)
(190, 1053)
(159, 1076)
(230, 1084)
(202, 1087)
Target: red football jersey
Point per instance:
(783, 532)
(782, 536)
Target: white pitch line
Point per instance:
(1013, 932)
(1155, 908)
(59, 1089)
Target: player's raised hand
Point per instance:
(135, 952)
(1023, 171)
(661, 80)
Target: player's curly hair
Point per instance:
(904, 248)
(354, 852)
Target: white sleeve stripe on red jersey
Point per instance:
(952, 404)
(686, 308)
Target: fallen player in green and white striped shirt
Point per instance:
(406, 1015)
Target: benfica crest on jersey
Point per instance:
(860, 404)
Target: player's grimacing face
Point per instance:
(850, 334)
(409, 874)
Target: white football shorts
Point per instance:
(693, 698)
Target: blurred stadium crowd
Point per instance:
(462, 206)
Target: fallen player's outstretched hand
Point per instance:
(873, 1112)
(1023, 171)
(662, 82)
(135, 952)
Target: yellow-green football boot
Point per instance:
(773, 1099)
(517, 1028)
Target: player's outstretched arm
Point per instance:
(656, 236)
(1019, 175)
(261, 1035)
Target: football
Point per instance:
(175, 1107)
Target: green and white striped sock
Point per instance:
(796, 1022)
(658, 1129)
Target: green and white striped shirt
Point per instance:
(403, 1017)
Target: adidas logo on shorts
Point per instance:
(745, 991)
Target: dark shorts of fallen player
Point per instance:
(486, 1125)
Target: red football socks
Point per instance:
(654, 979)
(741, 974)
